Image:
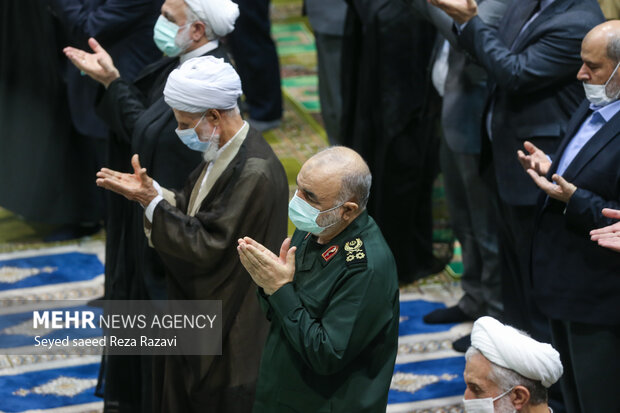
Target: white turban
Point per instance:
(203, 83)
(219, 14)
(509, 348)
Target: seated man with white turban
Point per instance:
(507, 371)
(240, 189)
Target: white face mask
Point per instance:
(597, 94)
(482, 405)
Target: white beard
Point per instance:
(211, 153)
(183, 40)
(504, 405)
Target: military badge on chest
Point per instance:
(329, 253)
(356, 252)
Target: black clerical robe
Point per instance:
(195, 232)
(38, 161)
(142, 123)
(389, 112)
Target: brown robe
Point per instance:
(199, 250)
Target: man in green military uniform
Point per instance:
(331, 296)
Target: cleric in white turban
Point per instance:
(240, 189)
(220, 15)
(203, 83)
(507, 370)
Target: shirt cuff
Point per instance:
(460, 27)
(150, 208)
(284, 300)
(158, 188)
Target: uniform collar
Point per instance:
(354, 228)
(309, 243)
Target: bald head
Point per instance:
(605, 36)
(600, 52)
(345, 170)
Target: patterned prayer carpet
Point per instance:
(50, 383)
(428, 373)
(427, 377)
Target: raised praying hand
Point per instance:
(559, 189)
(535, 159)
(269, 271)
(98, 65)
(609, 236)
(135, 187)
(461, 11)
(537, 165)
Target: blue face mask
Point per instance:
(164, 35)
(303, 215)
(190, 138)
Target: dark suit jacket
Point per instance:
(575, 279)
(465, 88)
(124, 28)
(531, 82)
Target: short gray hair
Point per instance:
(356, 186)
(506, 379)
(192, 17)
(356, 177)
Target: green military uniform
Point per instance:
(334, 330)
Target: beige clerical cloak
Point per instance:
(195, 232)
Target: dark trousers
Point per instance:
(329, 55)
(471, 205)
(256, 60)
(516, 230)
(591, 363)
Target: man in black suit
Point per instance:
(531, 60)
(467, 195)
(576, 282)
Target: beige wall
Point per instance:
(611, 8)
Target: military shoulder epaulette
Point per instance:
(355, 252)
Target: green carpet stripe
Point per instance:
(301, 111)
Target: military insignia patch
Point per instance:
(356, 252)
(329, 253)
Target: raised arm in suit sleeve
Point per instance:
(551, 58)
(106, 22)
(490, 11)
(583, 211)
(356, 313)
